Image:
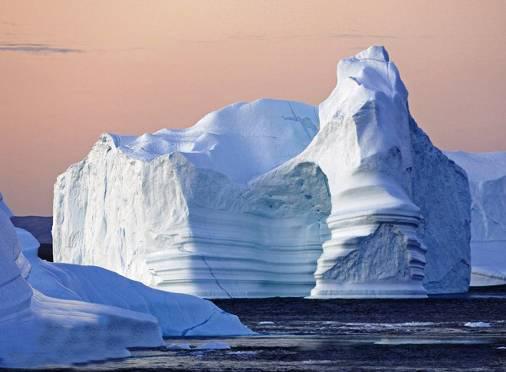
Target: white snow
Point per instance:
(256, 201)
(487, 176)
(242, 140)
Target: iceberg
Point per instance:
(277, 198)
(487, 178)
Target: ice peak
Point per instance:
(361, 79)
(377, 52)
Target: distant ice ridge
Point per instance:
(257, 200)
(58, 314)
(487, 176)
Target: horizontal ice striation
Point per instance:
(487, 176)
(257, 200)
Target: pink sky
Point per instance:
(71, 70)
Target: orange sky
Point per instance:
(71, 70)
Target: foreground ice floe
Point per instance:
(276, 198)
(487, 177)
(37, 330)
(58, 314)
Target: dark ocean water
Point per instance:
(445, 334)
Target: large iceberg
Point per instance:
(277, 198)
(487, 178)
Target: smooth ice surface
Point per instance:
(260, 200)
(487, 176)
(177, 314)
(242, 140)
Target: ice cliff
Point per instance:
(487, 176)
(276, 198)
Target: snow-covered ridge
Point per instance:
(242, 140)
(255, 201)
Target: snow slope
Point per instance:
(487, 175)
(242, 140)
(255, 201)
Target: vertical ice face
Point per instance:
(487, 176)
(266, 199)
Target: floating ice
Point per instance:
(477, 325)
(213, 345)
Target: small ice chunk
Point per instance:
(477, 325)
(174, 347)
(213, 345)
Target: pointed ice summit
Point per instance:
(277, 198)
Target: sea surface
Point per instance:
(466, 333)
